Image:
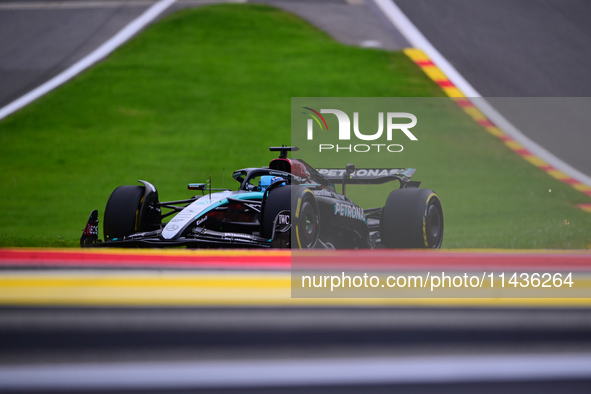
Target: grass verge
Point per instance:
(208, 89)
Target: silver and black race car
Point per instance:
(288, 204)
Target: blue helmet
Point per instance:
(266, 180)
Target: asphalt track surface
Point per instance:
(512, 51)
(53, 330)
(37, 43)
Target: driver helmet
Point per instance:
(266, 180)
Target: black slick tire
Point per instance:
(412, 218)
(279, 199)
(122, 210)
(305, 219)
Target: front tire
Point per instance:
(412, 218)
(122, 211)
(305, 219)
(303, 212)
(277, 201)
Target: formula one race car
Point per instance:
(286, 205)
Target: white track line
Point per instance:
(75, 4)
(256, 373)
(99, 4)
(101, 52)
(418, 40)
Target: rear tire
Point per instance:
(412, 218)
(122, 211)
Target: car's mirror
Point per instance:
(197, 186)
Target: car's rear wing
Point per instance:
(369, 176)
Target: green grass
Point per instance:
(209, 89)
